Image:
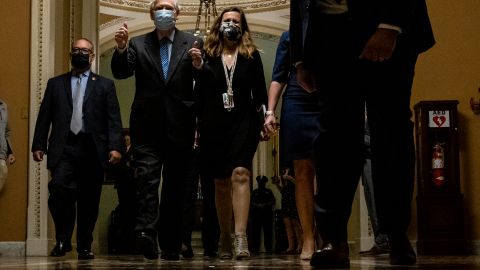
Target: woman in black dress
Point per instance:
(233, 92)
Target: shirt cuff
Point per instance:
(120, 51)
(391, 27)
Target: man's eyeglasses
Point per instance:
(81, 50)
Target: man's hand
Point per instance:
(121, 36)
(114, 157)
(11, 159)
(196, 54)
(38, 155)
(380, 46)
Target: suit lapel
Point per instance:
(152, 48)
(92, 79)
(67, 82)
(179, 47)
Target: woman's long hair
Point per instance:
(214, 43)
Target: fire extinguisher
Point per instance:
(438, 165)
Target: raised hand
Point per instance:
(121, 36)
(196, 54)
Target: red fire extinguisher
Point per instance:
(438, 165)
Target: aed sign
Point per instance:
(438, 119)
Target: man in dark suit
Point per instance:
(355, 53)
(86, 134)
(162, 124)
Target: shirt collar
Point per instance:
(84, 74)
(170, 37)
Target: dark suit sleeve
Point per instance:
(123, 64)
(397, 12)
(204, 79)
(114, 119)
(296, 30)
(44, 119)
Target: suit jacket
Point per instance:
(162, 110)
(101, 117)
(366, 15)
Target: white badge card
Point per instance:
(227, 101)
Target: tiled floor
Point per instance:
(255, 262)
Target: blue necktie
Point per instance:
(76, 122)
(164, 56)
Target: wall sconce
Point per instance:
(210, 10)
(475, 105)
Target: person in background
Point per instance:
(162, 124)
(80, 130)
(233, 91)
(297, 132)
(262, 205)
(122, 236)
(355, 53)
(286, 184)
(6, 153)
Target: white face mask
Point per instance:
(164, 19)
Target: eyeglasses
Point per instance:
(81, 50)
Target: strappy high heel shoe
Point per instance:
(241, 246)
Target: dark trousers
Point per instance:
(162, 218)
(75, 190)
(345, 84)
(210, 227)
(191, 189)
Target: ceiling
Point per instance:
(265, 17)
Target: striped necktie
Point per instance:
(164, 56)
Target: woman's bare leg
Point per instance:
(304, 176)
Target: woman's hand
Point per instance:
(270, 124)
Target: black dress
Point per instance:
(298, 121)
(229, 139)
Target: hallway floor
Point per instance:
(255, 262)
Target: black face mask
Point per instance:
(230, 31)
(80, 60)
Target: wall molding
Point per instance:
(12, 249)
(41, 67)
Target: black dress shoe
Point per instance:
(331, 256)
(187, 252)
(210, 253)
(401, 251)
(170, 256)
(375, 250)
(60, 249)
(85, 254)
(147, 246)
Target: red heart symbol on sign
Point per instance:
(439, 120)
